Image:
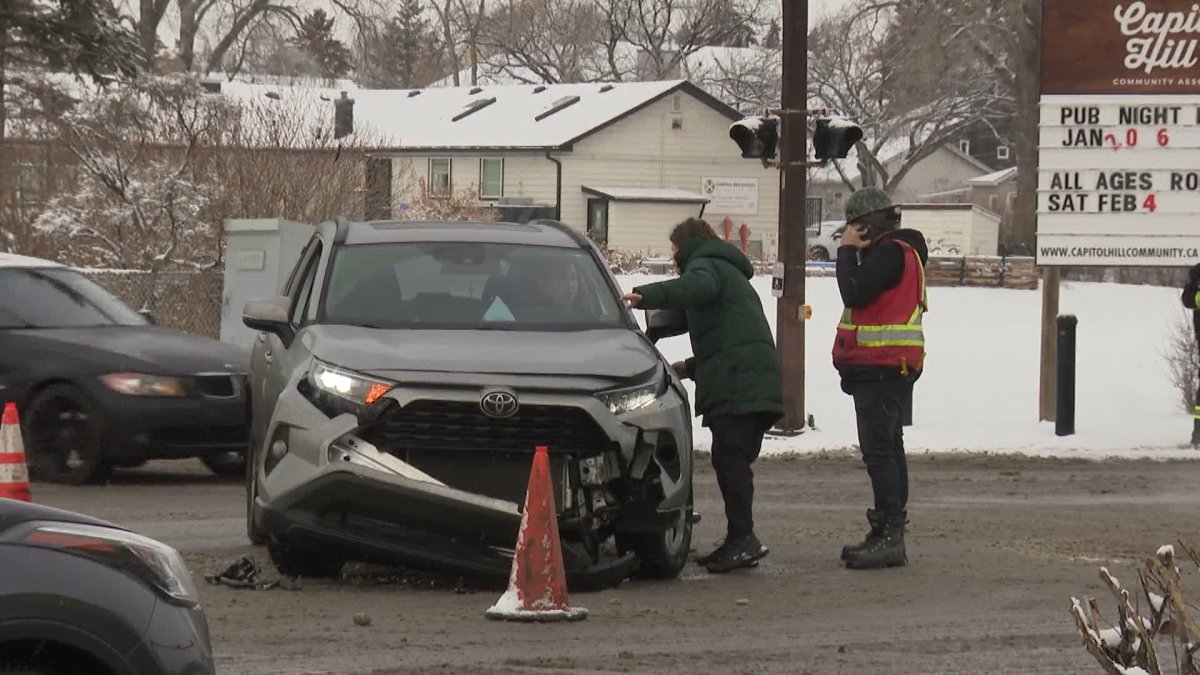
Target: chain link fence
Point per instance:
(184, 301)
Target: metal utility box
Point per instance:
(259, 255)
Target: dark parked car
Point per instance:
(81, 596)
(99, 386)
(401, 388)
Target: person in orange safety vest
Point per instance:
(879, 352)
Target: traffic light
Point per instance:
(834, 137)
(758, 137)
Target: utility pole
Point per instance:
(793, 245)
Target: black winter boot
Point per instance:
(876, 520)
(887, 550)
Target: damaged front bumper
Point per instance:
(335, 491)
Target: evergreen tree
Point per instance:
(83, 37)
(774, 37)
(315, 38)
(401, 47)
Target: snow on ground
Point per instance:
(980, 388)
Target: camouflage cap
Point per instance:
(865, 201)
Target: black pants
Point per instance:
(883, 409)
(737, 440)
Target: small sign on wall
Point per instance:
(731, 196)
(252, 260)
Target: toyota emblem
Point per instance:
(498, 404)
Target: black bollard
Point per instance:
(1064, 419)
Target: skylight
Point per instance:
(560, 104)
(474, 107)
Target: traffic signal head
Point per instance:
(834, 137)
(758, 137)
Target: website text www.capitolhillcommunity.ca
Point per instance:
(1127, 252)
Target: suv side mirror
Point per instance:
(270, 316)
(665, 323)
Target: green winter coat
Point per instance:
(734, 363)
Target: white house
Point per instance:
(622, 161)
(946, 169)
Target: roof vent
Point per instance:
(607, 87)
(273, 94)
(564, 102)
(474, 107)
(476, 90)
(539, 89)
(414, 92)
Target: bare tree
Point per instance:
(461, 22)
(857, 69)
(545, 41)
(667, 32)
(750, 80)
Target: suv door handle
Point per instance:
(267, 356)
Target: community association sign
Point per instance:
(731, 196)
(1119, 133)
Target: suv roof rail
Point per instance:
(571, 232)
(343, 230)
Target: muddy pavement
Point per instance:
(996, 547)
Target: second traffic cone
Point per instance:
(14, 473)
(537, 586)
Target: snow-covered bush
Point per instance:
(1143, 635)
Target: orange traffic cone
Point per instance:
(537, 587)
(14, 474)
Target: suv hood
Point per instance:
(610, 353)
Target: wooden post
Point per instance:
(1048, 390)
(793, 247)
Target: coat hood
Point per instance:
(720, 250)
(911, 237)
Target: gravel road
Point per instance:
(997, 545)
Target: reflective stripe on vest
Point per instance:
(911, 334)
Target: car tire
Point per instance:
(661, 555)
(297, 561)
(819, 253)
(226, 464)
(59, 452)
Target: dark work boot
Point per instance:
(886, 550)
(876, 521)
(743, 551)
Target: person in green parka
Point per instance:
(735, 366)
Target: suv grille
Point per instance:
(454, 425)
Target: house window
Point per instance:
(1002, 152)
(964, 147)
(491, 178)
(676, 103)
(597, 221)
(439, 176)
(814, 211)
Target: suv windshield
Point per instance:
(469, 285)
(59, 298)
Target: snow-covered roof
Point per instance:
(533, 117)
(994, 179)
(893, 150)
(12, 260)
(643, 194)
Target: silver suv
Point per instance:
(404, 379)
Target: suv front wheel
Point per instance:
(661, 555)
(297, 561)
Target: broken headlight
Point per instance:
(629, 399)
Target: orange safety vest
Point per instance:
(887, 332)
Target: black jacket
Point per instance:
(861, 282)
(1189, 296)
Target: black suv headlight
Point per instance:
(336, 390)
(630, 398)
